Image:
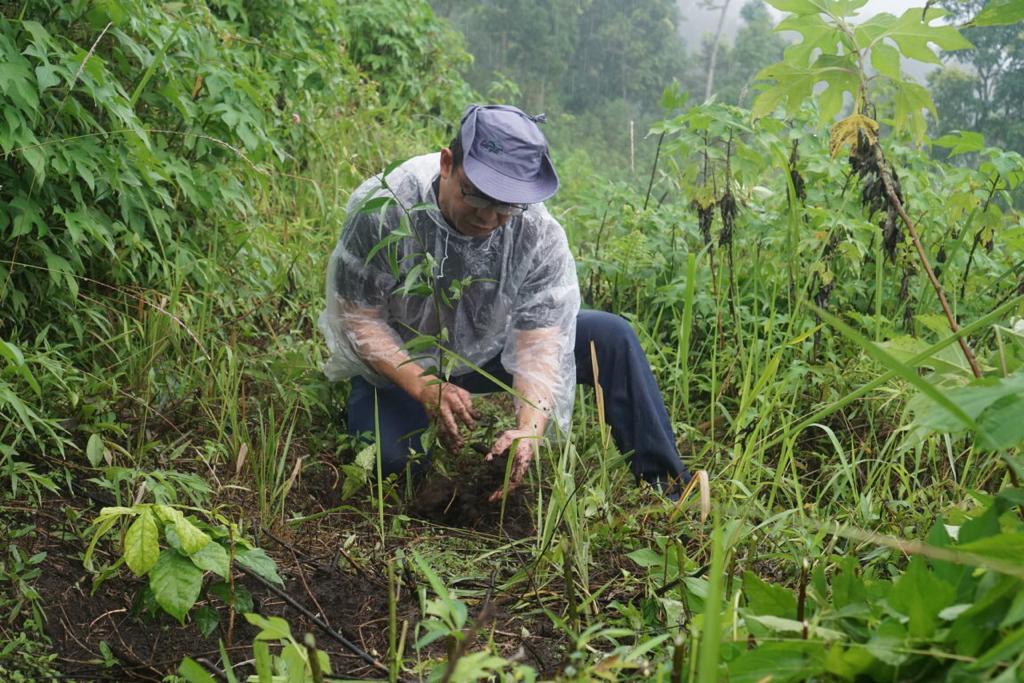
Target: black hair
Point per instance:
(456, 148)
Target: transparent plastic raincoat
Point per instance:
(515, 291)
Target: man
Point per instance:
(459, 252)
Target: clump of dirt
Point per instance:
(460, 498)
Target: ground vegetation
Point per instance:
(817, 293)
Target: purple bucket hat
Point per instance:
(505, 155)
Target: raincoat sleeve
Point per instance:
(359, 281)
(539, 348)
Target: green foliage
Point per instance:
(190, 548)
(295, 662)
(836, 53)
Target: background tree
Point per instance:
(754, 45)
(983, 90)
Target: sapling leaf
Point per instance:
(141, 544)
(206, 619)
(921, 595)
(886, 60)
(176, 583)
(212, 557)
(256, 560)
(786, 662)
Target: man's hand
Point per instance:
(526, 445)
(449, 405)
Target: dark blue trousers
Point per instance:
(633, 405)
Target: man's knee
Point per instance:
(606, 330)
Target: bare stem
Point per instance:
(898, 205)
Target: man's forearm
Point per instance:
(376, 344)
(534, 408)
(536, 376)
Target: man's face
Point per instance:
(451, 199)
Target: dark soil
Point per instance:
(460, 499)
(104, 634)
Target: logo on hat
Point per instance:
(492, 146)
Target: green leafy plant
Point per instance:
(176, 551)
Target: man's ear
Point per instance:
(446, 163)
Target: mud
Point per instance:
(460, 499)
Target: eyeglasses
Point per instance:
(478, 201)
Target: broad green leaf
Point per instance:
(848, 663)
(294, 658)
(912, 100)
(141, 544)
(1001, 426)
(779, 662)
(999, 13)
(193, 539)
(976, 400)
(920, 595)
(176, 583)
(793, 86)
(912, 35)
(961, 142)
(817, 36)
(206, 620)
(647, 557)
(264, 668)
(889, 643)
(765, 599)
(212, 557)
(782, 625)
(886, 60)
(190, 537)
(257, 561)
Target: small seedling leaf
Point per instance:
(212, 557)
(141, 544)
